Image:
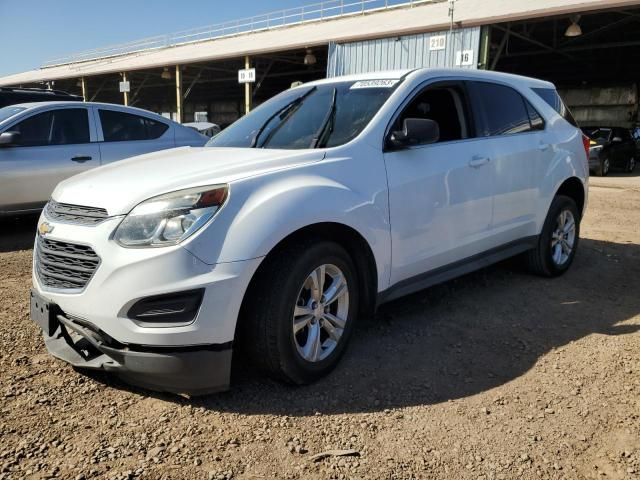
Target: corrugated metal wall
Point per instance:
(409, 51)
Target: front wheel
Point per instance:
(631, 165)
(558, 241)
(300, 311)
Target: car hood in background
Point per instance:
(120, 186)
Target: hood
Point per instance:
(121, 185)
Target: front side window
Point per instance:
(319, 116)
(444, 104)
(123, 127)
(68, 126)
(500, 110)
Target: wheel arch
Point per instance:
(350, 239)
(573, 188)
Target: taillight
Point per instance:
(586, 142)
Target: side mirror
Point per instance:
(617, 140)
(7, 139)
(415, 131)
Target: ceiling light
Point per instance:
(166, 74)
(574, 29)
(310, 58)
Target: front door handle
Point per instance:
(478, 161)
(81, 158)
(543, 146)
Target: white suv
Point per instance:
(326, 201)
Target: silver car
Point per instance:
(44, 143)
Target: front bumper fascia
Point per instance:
(193, 370)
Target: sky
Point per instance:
(32, 32)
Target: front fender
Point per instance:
(262, 211)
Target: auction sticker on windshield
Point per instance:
(374, 84)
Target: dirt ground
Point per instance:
(497, 375)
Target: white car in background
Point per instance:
(205, 128)
(322, 203)
(44, 143)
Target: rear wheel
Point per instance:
(631, 165)
(558, 241)
(300, 312)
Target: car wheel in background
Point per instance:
(605, 166)
(300, 310)
(631, 165)
(558, 242)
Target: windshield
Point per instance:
(6, 112)
(309, 117)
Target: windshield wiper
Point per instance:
(284, 112)
(326, 128)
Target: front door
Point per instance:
(441, 194)
(52, 146)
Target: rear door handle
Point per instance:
(478, 161)
(81, 158)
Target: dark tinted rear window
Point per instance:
(123, 127)
(499, 109)
(550, 96)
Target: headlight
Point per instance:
(170, 218)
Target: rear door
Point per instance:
(514, 136)
(123, 134)
(53, 145)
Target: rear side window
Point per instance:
(123, 127)
(58, 127)
(550, 96)
(499, 110)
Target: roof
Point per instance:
(423, 17)
(436, 72)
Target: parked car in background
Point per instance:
(323, 202)
(205, 128)
(611, 148)
(42, 144)
(12, 96)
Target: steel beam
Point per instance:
(179, 97)
(126, 94)
(247, 88)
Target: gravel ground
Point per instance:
(496, 375)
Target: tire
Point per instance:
(631, 165)
(284, 287)
(604, 168)
(544, 259)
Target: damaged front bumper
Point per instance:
(191, 370)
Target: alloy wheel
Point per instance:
(563, 237)
(606, 165)
(321, 313)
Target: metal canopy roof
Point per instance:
(420, 17)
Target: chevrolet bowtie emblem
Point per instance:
(45, 228)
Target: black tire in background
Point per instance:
(266, 324)
(540, 259)
(604, 168)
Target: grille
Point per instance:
(65, 265)
(80, 214)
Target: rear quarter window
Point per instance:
(550, 95)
